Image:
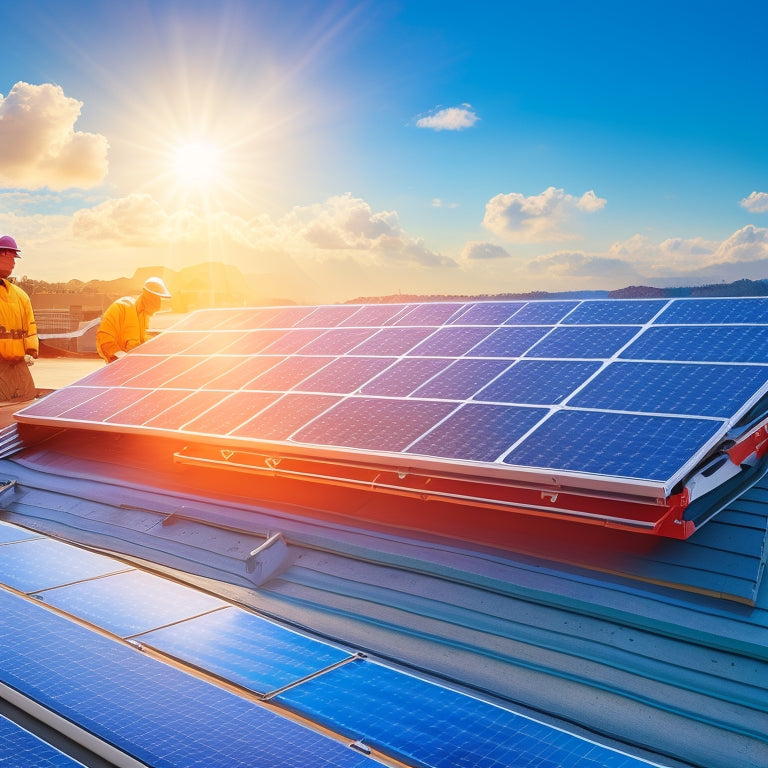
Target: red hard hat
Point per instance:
(7, 243)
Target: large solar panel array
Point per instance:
(595, 394)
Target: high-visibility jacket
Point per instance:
(123, 326)
(18, 330)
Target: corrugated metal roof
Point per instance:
(620, 652)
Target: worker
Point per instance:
(19, 344)
(124, 323)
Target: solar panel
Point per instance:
(627, 399)
(428, 725)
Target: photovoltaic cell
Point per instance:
(478, 432)
(186, 409)
(292, 341)
(707, 344)
(207, 370)
(36, 564)
(461, 379)
(163, 372)
(288, 373)
(428, 314)
(624, 312)
(427, 725)
(21, 749)
(365, 423)
(716, 311)
(488, 313)
(542, 312)
(633, 446)
(538, 382)
(130, 602)
(392, 341)
(683, 388)
(281, 419)
(597, 342)
(244, 372)
(245, 649)
(237, 408)
(406, 375)
(325, 317)
(251, 343)
(344, 375)
(336, 341)
(452, 341)
(509, 342)
(374, 315)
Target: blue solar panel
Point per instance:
(405, 376)
(29, 566)
(378, 379)
(452, 341)
(716, 311)
(392, 341)
(625, 312)
(429, 725)
(364, 423)
(488, 313)
(542, 312)
(538, 382)
(21, 749)
(155, 712)
(245, 649)
(509, 342)
(706, 344)
(461, 379)
(683, 388)
(10, 533)
(478, 432)
(121, 603)
(640, 447)
(337, 341)
(598, 342)
(281, 419)
(345, 374)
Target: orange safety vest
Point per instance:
(18, 329)
(123, 326)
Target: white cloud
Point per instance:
(438, 203)
(548, 216)
(449, 119)
(38, 144)
(580, 265)
(475, 250)
(755, 202)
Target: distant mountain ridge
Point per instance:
(736, 288)
(212, 284)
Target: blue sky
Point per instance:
(346, 149)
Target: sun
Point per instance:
(198, 164)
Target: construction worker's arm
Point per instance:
(108, 334)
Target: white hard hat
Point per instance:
(157, 286)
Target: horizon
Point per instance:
(350, 149)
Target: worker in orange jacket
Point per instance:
(124, 324)
(19, 344)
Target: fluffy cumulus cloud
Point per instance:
(483, 251)
(345, 225)
(547, 217)
(449, 119)
(342, 228)
(756, 202)
(575, 264)
(39, 146)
